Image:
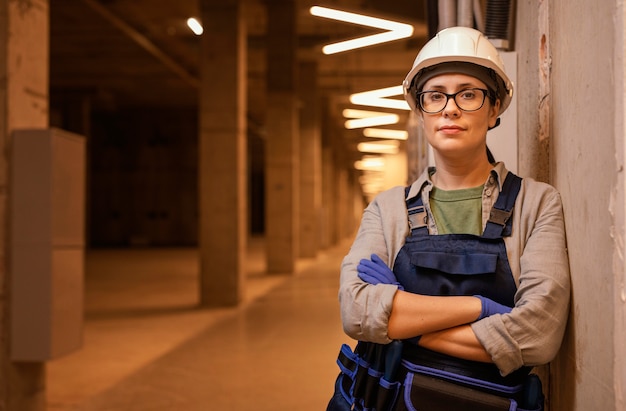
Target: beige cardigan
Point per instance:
(531, 334)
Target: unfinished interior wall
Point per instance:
(618, 209)
(578, 147)
(23, 104)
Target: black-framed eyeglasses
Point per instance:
(469, 99)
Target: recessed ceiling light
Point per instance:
(195, 26)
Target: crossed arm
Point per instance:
(531, 334)
(441, 322)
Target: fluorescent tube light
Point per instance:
(370, 163)
(195, 26)
(372, 121)
(395, 30)
(378, 98)
(371, 186)
(386, 133)
(354, 113)
(381, 147)
(364, 118)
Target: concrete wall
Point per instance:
(578, 147)
(23, 104)
(618, 210)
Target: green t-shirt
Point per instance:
(457, 211)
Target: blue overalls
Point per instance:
(404, 376)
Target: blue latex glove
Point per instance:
(490, 307)
(375, 271)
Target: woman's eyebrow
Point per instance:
(440, 87)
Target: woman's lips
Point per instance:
(450, 129)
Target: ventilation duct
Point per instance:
(495, 23)
(447, 14)
(497, 26)
(465, 13)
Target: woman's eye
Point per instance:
(436, 96)
(468, 94)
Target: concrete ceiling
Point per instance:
(141, 53)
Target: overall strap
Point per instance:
(416, 214)
(499, 223)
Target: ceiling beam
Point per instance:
(144, 42)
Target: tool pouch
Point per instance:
(387, 394)
(361, 384)
(432, 389)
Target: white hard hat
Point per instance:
(459, 50)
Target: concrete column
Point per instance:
(328, 199)
(310, 162)
(282, 178)
(358, 205)
(222, 153)
(342, 201)
(24, 62)
(328, 227)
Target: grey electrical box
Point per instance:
(47, 243)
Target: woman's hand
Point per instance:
(431, 312)
(375, 271)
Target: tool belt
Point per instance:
(383, 378)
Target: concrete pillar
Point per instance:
(282, 178)
(358, 205)
(310, 162)
(222, 153)
(329, 229)
(342, 201)
(328, 199)
(24, 62)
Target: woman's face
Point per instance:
(455, 133)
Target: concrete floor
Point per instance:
(148, 347)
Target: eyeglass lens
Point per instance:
(467, 100)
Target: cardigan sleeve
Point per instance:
(532, 333)
(365, 308)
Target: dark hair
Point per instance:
(490, 157)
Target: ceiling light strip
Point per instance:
(386, 147)
(354, 113)
(395, 30)
(362, 42)
(372, 121)
(359, 19)
(370, 163)
(378, 98)
(386, 133)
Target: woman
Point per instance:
(468, 265)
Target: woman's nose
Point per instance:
(451, 109)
